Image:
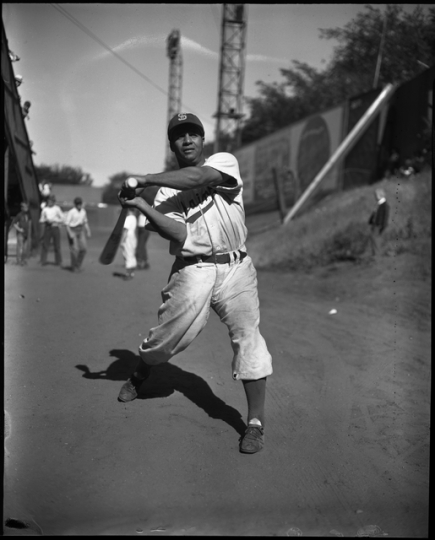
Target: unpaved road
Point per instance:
(347, 435)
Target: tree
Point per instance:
(409, 47)
(62, 174)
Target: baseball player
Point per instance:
(199, 209)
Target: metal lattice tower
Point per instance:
(231, 77)
(175, 79)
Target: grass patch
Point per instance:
(337, 228)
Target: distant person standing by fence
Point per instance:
(51, 218)
(23, 226)
(77, 228)
(378, 221)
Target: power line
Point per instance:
(68, 15)
(98, 40)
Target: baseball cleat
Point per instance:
(130, 389)
(253, 440)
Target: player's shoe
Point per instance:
(130, 389)
(253, 440)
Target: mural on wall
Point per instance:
(272, 153)
(314, 150)
(359, 167)
(297, 153)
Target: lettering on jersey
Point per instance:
(195, 202)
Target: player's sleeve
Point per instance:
(166, 202)
(227, 164)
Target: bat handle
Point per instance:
(128, 193)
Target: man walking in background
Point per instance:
(51, 218)
(77, 228)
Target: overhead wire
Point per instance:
(86, 30)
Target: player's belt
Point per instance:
(218, 258)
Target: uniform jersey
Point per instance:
(214, 215)
(130, 224)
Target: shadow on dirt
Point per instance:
(164, 380)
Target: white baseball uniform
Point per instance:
(215, 222)
(130, 242)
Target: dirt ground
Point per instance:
(347, 434)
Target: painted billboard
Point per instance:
(295, 153)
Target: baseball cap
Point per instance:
(182, 119)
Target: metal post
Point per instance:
(344, 147)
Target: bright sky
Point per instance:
(91, 110)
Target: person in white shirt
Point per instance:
(52, 218)
(77, 228)
(129, 244)
(199, 209)
(142, 239)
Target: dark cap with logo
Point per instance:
(181, 119)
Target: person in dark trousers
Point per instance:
(78, 229)
(51, 218)
(22, 224)
(142, 239)
(378, 221)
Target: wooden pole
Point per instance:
(344, 147)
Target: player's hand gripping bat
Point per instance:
(112, 244)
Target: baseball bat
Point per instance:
(112, 244)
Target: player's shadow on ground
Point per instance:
(164, 380)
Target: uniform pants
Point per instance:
(231, 290)
(51, 233)
(77, 246)
(141, 250)
(129, 251)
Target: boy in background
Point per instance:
(22, 226)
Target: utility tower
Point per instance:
(175, 80)
(231, 77)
